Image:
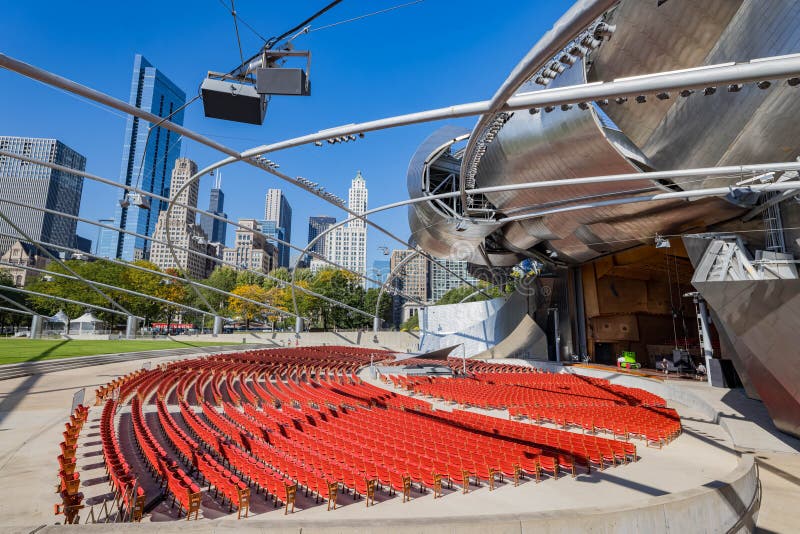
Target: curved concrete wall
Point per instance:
(730, 504)
(482, 327)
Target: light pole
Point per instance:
(557, 333)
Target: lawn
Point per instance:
(31, 350)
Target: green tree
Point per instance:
(342, 286)
(223, 278)
(148, 283)
(385, 310)
(65, 287)
(281, 273)
(411, 324)
(8, 318)
(243, 308)
(246, 278)
(174, 291)
(457, 294)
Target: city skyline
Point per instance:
(183, 230)
(215, 229)
(316, 225)
(98, 132)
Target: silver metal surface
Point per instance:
(762, 318)
(757, 320)
(749, 126)
(501, 328)
(578, 17)
(435, 230)
(679, 34)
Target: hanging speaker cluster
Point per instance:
(242, 96)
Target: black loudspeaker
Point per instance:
(280, 81)
(231, 101)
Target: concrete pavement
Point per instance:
(33, 409)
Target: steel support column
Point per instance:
(131, 327)
(36, 327)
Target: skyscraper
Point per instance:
(317, 225)
(147, 159)
(215, 229)
(347, 245)
(103, 235)
(42, 187)
(442, 281)
(278, 211)
(187, 236)
(251, 250)
(411, 278)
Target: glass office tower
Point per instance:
(146, 163)
(41, 187)
(215, 229)
(278, 211)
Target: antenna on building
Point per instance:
(218, 180)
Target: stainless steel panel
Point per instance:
(573, 143)
(651, 38)
(751, 126)
(546, 146)
(762, 318)
(435, 231)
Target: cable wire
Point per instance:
(275, 40)
(236, 29)
(244, 22)
(366, 15)
(272, 41)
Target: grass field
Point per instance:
(32, 350)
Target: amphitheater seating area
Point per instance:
(275, 424)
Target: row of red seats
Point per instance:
(108, 390)
(595, 387)
(587, 449)
(230, 486)
(69, 479)
(263, 476)
(281, 458)
(247, 465)
(563, 399)
(121, 477)
(433, 450)
(132, 386)
(183, 489)
(181, 442)
(302, 418)
(658, 425)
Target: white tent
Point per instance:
(57, 322)
(85, 324)
(60, 317)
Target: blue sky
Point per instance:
(428, 55)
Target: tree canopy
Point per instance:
(146, 278)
